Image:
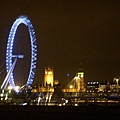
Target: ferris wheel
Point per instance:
(10, 62)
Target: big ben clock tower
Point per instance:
(80, 75)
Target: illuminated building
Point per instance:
(80, 80)
(77, 83)
(47, 85)
(48, 77)
(92, 86)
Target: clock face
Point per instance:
(81, 75)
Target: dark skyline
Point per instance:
(68, 33)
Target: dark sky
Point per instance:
(68, 32)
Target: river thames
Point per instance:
(89, 112)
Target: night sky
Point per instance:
(68, 32)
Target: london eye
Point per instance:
(10, 62)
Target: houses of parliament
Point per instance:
(75, 85)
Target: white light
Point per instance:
(71, 86)
(76, 104)
(1, 95)
(17, 88)
(9, 91)
(63, 103)
(6, 97)
(24, 104)
(10, 87)
(60, 104)
(66, 101)
(2, 91)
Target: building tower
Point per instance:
(48, 77)
(80, 76)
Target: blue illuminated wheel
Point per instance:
(9, 52)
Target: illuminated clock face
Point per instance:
(81, 75)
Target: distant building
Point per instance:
(114, 88)
(48, 84)
(77, 83)
(109, 87)
(48, 77)
(80, 80)
(92, 86)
